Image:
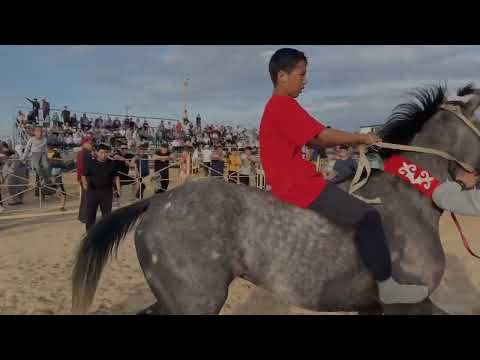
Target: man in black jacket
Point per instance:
(100, 175)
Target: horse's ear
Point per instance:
(466, 90)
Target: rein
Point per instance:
(364, 164)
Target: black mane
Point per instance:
(408, 119)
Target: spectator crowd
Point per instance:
(130, 150)
(66, 130)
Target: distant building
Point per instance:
(370, 128)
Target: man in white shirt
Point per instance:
(460, 196)
(206, 159)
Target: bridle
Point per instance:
(364, 164)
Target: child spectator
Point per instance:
(57, 167)
(234, 163)
(218, 162)
(247, 166)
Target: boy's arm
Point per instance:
(449, 196)
(333, 137)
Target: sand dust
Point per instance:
(36, 258)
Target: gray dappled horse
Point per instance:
(194, 240)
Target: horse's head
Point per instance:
(422, 122)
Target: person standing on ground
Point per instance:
(37, 148)
(57, 167)
(123, 162)
(284, 130)
(162, 168)
(143, 170)
(100, 175)
(83, 156)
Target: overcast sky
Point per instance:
(349, 86)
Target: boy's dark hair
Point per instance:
(103, 147)
(284, 60)
(343, 147)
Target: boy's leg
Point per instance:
(344, 209)
(338, 206)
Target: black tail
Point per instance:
(97, 246)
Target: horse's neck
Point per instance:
(434, 164)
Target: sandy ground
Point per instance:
(36, 258)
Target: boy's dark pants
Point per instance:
(346, 210)
(94, 199)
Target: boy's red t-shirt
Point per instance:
(285, 128)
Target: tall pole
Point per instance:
(185, 85)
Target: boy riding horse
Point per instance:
(285, 128)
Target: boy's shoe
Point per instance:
(392, 292)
